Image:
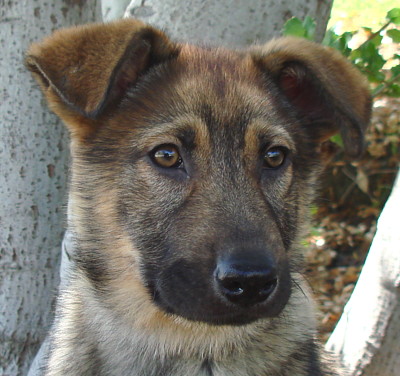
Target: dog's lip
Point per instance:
(229, 314)
(227, 318)
(217, 319)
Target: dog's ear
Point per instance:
(328, 93)
(84, 70)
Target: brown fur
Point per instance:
(150, 241)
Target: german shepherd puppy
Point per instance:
(192, 173)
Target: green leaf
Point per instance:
(376, 77)
(377, 40)
(394, 34)
(337, 139)
(395, 70)
(343, 43)
(368, 57)
(294, 27)
(367, 29)
(377, 89)
(309, 26)
(355, 55)
(394, 16)
(380, 76)
(393, 91)
(348, 36)
(339, 42)
(330, 38)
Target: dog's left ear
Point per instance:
(84, 70)
(327, 92)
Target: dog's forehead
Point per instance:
(219, 75)
(218, 91)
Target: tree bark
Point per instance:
(232, 23)
(113, 9)
(33, 180)
(367, 337)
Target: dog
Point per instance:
(193, 169)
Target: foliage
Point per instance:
(369, 180)
(355, 193)
(367, 56)
(353, 15)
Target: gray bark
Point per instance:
(367, 337)
(232, 23)
(113, 9)
(33, 154)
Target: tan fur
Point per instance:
(142, 298)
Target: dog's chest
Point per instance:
(121, 361)
(151, 366)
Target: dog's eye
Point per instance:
(274, 157)
(166, 156)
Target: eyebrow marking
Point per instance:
(188, 131)
(277, 134)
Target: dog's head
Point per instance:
(193, 168)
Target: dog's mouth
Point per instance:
(206, 303)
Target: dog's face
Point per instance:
(207, 171)
(201, 162)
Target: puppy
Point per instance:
(192, 173)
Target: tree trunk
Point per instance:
(113, 9)
(367, 337)
(233, 23)
(33, 154)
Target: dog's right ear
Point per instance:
(84, 70)
(325, 89)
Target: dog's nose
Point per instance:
(245, 284)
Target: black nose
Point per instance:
(245, 284)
